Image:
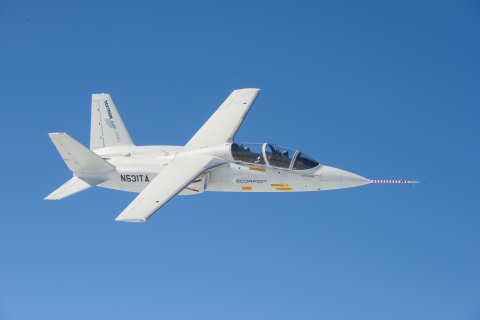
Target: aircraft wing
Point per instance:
(224, 123)
(167, 184)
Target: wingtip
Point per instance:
(255, 89)
(51, 196)
(130, 220)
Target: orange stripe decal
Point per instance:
(257, 169)
(286, 189)
(246, 188)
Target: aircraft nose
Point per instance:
(333, 178)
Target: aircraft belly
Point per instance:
(240, 178)
(229, 178)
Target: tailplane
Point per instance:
(78, 158)
(107, 127)
(88, 168)
(72, 186)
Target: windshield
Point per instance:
(303, 162)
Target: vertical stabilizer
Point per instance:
(107, 128)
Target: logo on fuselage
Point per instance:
(245, 180)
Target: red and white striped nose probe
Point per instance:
(394, 181)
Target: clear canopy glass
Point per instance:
(248, 152)
(278, 156)
(303, 162)
(272, 155)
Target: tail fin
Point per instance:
(107, 128)
(78, 158)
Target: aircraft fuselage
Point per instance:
(137, 166)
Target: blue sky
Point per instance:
(384, 89)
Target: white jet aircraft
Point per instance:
(210, 161)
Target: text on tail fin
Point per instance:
(107, 127)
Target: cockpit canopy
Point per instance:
(267, 154)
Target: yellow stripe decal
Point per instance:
(257, 169)
(246, 188)
(287, 189)
(279, 185)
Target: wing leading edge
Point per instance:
(224, 123)
(166, 185)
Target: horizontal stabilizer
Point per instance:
(70, 187)
(77, 157)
